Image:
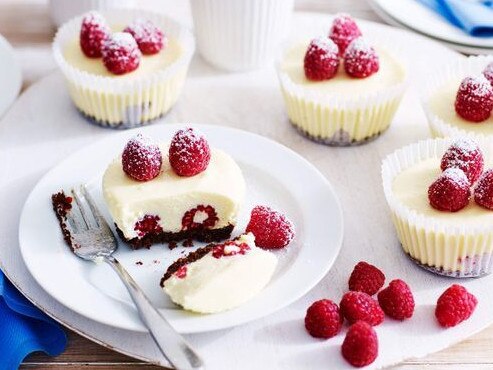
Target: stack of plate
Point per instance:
(412, 15)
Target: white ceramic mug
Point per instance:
(239, 35)
(63, 10)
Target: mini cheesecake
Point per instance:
(170, 207)
(219, 277)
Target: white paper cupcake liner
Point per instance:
(464, 67)
(63, 10)
(455, 251)
(240, 35)
(338, 120)
(126, 103)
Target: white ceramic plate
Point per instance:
(417, 17)
(10, 76)
(273, 175)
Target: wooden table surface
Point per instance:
(26, 24)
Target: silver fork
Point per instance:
(93, 240)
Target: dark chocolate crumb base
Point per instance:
(62, 205)
(335, 141)
(201, 235)
(118, 125)
(189, 258)
(448, 273)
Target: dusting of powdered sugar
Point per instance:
(488, 73)
(476, 87)
(457, 176)
(325, 44)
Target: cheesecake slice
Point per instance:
(219, 277)
(169, 207)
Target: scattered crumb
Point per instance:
(156, 261)
(172, 245)
(188, 243)
(139, 263)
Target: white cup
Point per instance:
(63, 10)
(239, 35)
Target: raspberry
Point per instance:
(360, 346)
(344, 30)
(141, 158)
(121, 54)
(465, 154)
(148, 225)
(323, 319)
(455, 305)
(181, 273)
(321, 59)
(149, 37)
(451, 191)
(366, 278)
(189, 152)
(483, 192)
(93, 32)
(360, 306)
(271, 228)
(474, 101)
(488, 72)
(360, 59)
(201, 217)
(397, 300)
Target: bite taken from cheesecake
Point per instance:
(165, 192)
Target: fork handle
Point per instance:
(172, 345)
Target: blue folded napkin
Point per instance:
(25, 329)
(474, 17)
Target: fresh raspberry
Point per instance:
(455, 305)
(323, 319)
(321, 59)
(149, 37)
(474, 101)
(360, 346)
(483, 192)
(360, 59)
(366, 278)
(189, 152)
(148, 225)
(93, 33)
(121, 54)
(488, 72)
(344, 30)
(141, 158)
(200, 217)
(465, 154)
(181, 273)
(451, 191)
(360, 306)
(271, 228)
(397, 300)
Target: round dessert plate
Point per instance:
(10, 76)
(275, 176)
(417, 17)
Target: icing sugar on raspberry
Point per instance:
(325, 44)
(477, 86)
(121, 40)
(144, 29)
(457, 176)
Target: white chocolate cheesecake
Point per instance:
(219, 277)
(170, 207)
